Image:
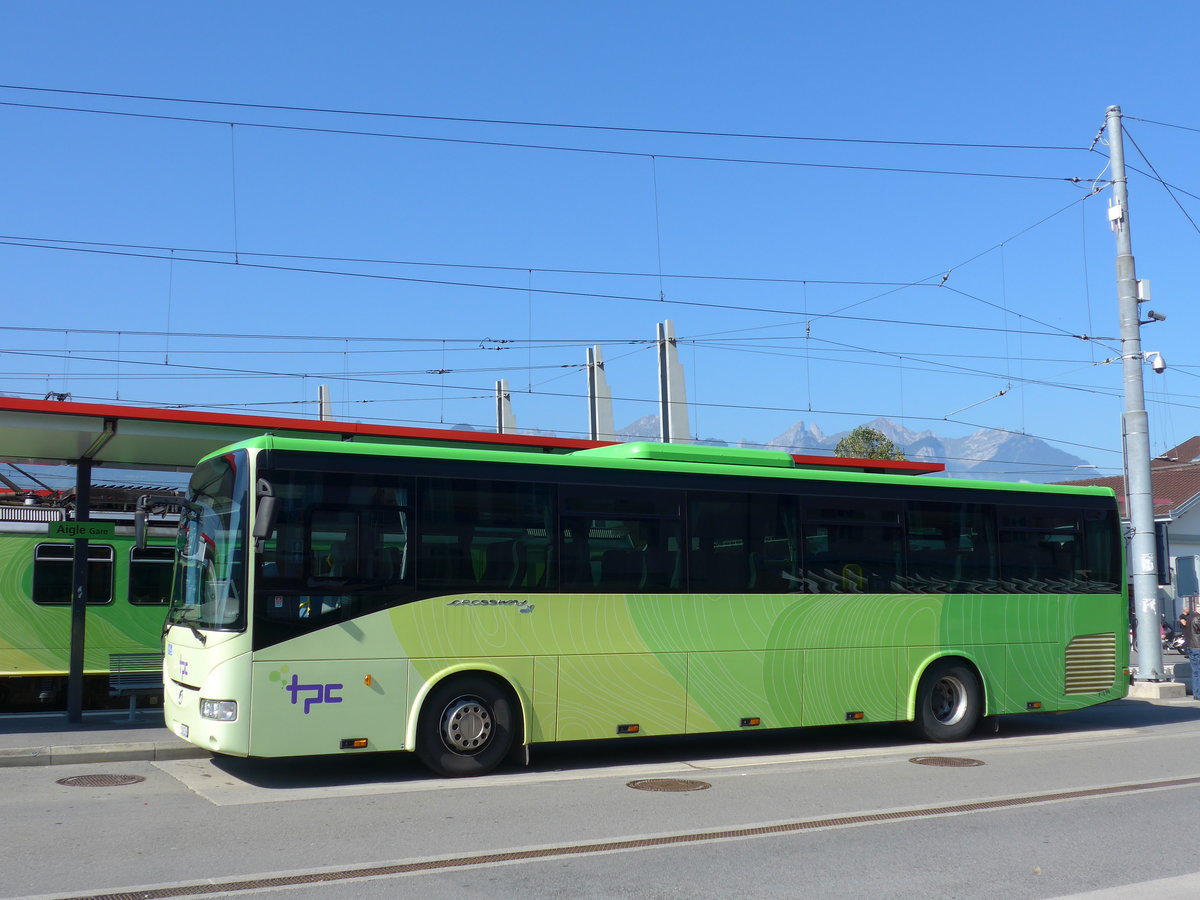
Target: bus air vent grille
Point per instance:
(1091, 663)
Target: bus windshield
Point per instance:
(210, 571)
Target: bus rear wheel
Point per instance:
(949, 702)
(466, 726)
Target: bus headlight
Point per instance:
(221, 710)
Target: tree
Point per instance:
(865, 442)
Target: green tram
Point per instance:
(128, 595)
(465, 604)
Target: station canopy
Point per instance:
(146, 438)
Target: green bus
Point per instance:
(465, 604)
(129, 588)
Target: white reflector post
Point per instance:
(324, 405)
(600, 410)
(672, 400)
(506, 422)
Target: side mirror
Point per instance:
(139, 522)
(264, 515)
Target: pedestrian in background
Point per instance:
(1190, 622)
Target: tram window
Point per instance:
(150, 571)
(53, 566)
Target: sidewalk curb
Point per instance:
(145, 751)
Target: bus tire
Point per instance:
(949, 702)
(466, 726)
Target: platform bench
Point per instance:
(134, 675)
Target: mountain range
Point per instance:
(985, 454)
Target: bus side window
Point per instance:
(951, 547)
(854, 546)
(742, 543)
(1103, 574)
(1041, 549)
(575, 560)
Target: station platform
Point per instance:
(48, 739)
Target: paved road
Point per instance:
(1061, 805)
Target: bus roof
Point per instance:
(647, 456)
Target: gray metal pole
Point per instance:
(79, 592)
(1136, 422)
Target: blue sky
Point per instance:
(802, 276)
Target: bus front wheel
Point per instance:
(466, 726)
(949, 702)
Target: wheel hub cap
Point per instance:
(467, 725)
(949, 701)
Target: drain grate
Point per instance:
(668, 784)
(959, 762)
(100, 780)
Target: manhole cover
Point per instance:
(100, 780)
(951, 761)
(669, 784)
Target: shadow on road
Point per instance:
(393, 768)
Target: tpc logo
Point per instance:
(321, 693)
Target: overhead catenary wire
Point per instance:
(526, 289)
(740, 308)
(1157, 177)
(515, 145)
(482, 391)
(531, 124)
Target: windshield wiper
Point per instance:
(180, 620)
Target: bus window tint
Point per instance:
(951, 548)
(1102, 530)
(336, 534)
(53, 568)
(741, 543)
(1041, 549)
(485, 535)
(621, 540)
(150, 571)
(853, 546)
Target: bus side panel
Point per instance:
(542, 724)
(599, 693)
(840, 682)
(1035, 674)
(516, 672)
(308, 707)
(990, 659)
(726, 687)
